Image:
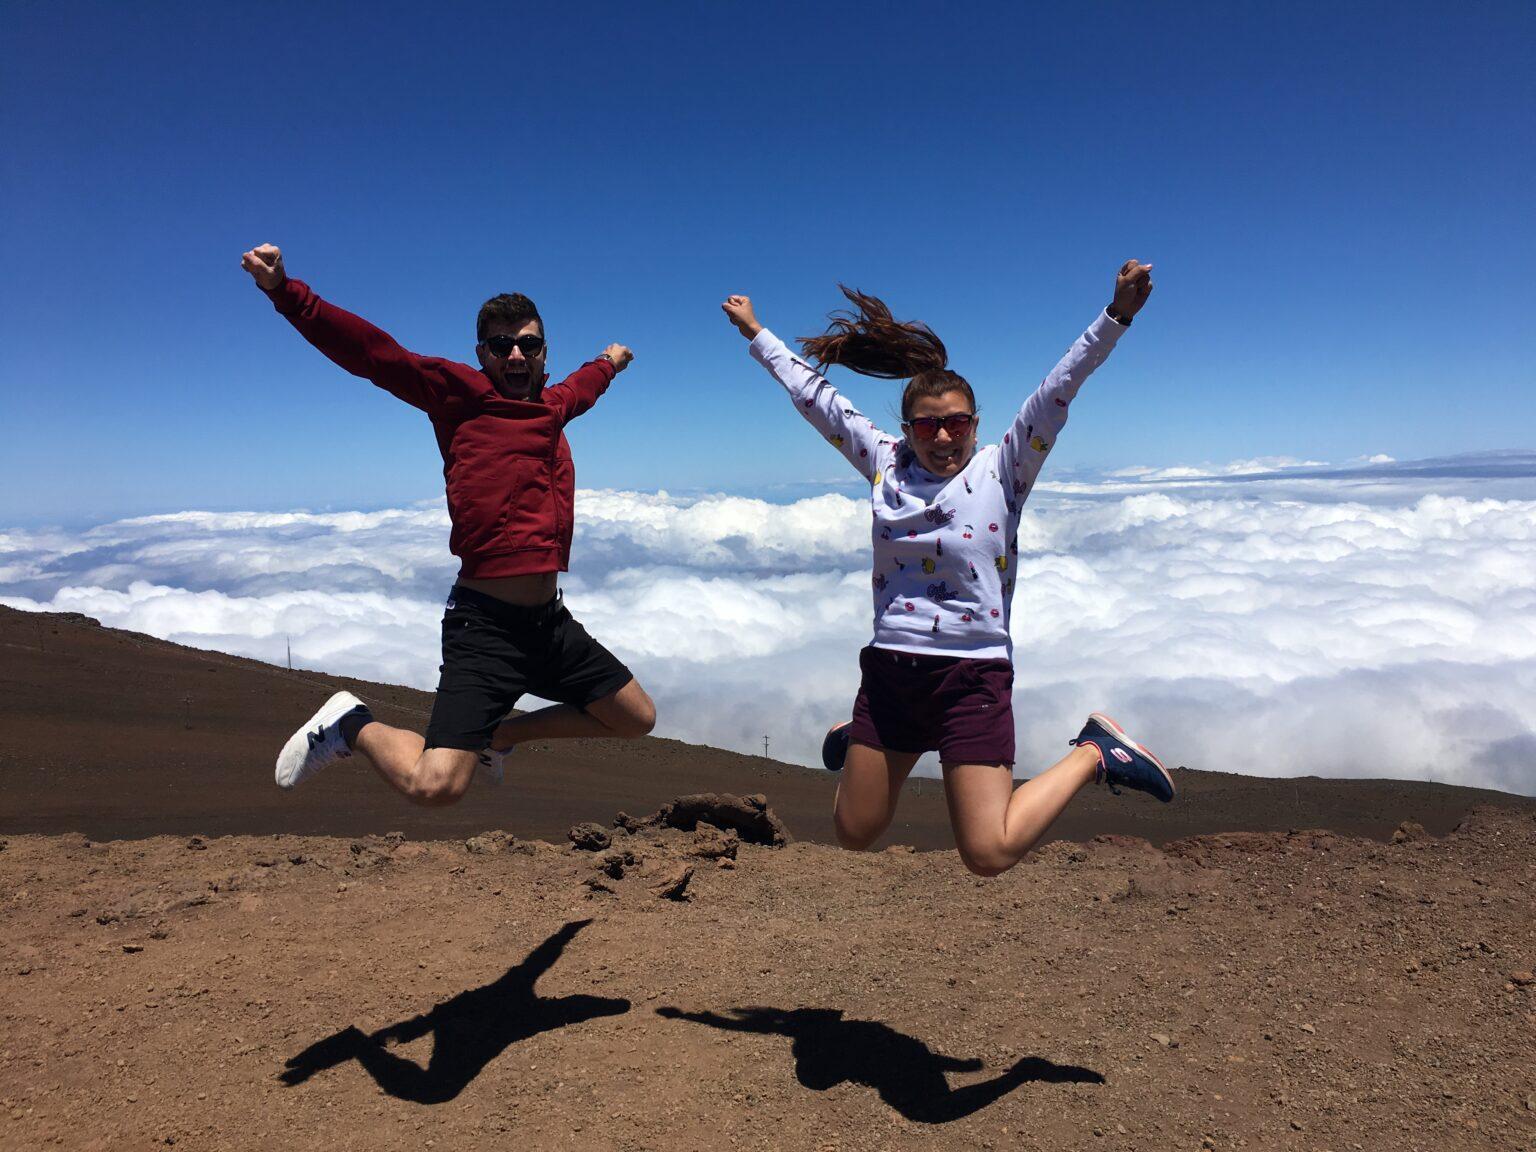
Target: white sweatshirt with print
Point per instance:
(946, 550)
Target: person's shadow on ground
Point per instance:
(907, 1074)
(469, 1031)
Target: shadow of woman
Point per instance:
(468, 1031)
(907, 1074)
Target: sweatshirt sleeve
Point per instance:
(581, 389)
(828, 411)
(1044, 414)
(357, 346)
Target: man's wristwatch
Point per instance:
(610, 359)
(1123, 321)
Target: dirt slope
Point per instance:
(118, 735)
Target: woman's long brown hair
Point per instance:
(872, 342)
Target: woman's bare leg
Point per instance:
(867, 793)
(995, 823)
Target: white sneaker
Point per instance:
(491, 768)
(317, 743)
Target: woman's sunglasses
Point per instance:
(927, 427)
(501, 346)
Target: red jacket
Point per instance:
(511, 481)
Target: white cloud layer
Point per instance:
(1271, 617)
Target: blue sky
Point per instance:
(1335, 199)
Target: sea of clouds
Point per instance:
(1266, 617)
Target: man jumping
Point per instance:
(511, 501)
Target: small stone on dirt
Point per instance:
(714, 844)
(493, 841)
(614, 862)
(589, 837)
(673, 883)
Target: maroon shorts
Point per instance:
(909, 702)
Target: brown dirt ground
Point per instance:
(290, 989)
(1269, 990)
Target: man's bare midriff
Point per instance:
(528, 591)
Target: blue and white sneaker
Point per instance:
(1122, 761)
(834, 748)
(317, 743)
(491, 767)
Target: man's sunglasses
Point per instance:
(501, 346)
(956, 424)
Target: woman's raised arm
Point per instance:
(827, 410)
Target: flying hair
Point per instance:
(872, 342)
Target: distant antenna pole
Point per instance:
(289, 641)
(765, 747)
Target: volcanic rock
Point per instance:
(589, 837)
(749, 816)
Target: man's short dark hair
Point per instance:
(515, 310)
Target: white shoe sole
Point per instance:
(1121, 735)
(290, 761)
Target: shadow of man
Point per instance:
(907, 1074)
(468, 1031)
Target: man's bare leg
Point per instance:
(626, 714)
(428, 776)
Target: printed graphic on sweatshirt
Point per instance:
(954, 608)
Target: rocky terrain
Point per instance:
(667, 988)
(642, 947)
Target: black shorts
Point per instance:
(493, 652)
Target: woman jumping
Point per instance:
(939, 672)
